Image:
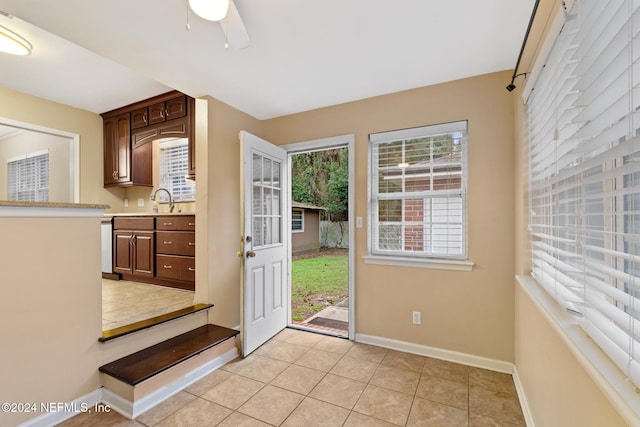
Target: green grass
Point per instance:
(317, 283)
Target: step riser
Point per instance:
(136, 341)
(131, 401)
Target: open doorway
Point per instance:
(321, 236)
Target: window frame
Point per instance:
(178, 196)
(301, 230)
(38, 158)
(403, 257)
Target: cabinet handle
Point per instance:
(192, 269)
(167, 266)
(192, 244)
(167, 242)
(167, 223)
(192, 224)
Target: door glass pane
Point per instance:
(276, 174)
(257, 168)
(265, 203)
(266, 171)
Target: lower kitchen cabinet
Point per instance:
(157, 250)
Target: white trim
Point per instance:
(133, 410)
(348, 141)
(88, 401)
(74, 151)
(605, 374)
(522, 398)
(438, 353)
(431, 263)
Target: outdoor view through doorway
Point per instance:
(320, 240)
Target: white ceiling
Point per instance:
(304, 54)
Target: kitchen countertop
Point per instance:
(149, 214)
(16, 204)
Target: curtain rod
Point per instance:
(511, 86)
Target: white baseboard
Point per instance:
(522, 397)
(123, 406)
(132, 410)
(82, 404)
(438, 353)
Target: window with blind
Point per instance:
(174, 167)
(418, 184)
(28, 177)
(297, 220)
(584, 175)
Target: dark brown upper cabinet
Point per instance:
(128, 130)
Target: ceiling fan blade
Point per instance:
(234, 29)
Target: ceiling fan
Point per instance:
(226, 13)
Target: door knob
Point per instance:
(239, 254)
(250, 254)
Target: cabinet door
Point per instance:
(156, 113)
(117, 150)
(144, 253)
(139, 118)
(141, 165)
(122, 242)
(175, 108)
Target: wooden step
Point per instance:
(151, 361)
(147, 323)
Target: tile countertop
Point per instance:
(16, 204)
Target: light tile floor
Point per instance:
(305, 379)
(125, 302)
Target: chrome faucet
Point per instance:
(171, 202)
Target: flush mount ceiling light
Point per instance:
(226, 13)
(12, 43)
(211, 10)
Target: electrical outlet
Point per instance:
(417, 318)
(358, 222)
(126, 203)
(140, 202)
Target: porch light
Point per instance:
(12, 43)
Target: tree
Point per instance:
(320, 178)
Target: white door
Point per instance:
(265, 200)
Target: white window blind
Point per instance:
(174, 167)
(418, 184)
(584, 175)
(28, 177)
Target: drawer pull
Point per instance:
(192, 269)
(167, 223)
(192, 224)
(168, 266)
(192, 244)
(167, 242)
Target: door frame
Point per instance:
(341, 141)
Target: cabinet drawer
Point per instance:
(176, 268)
(176, 223)
(176, 243)
(133, 223)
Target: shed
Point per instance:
(305, 227)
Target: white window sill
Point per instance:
(435, 264)
(611, 380)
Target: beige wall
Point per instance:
(27, 142)
(221, 212)
(558, 390)
(24, 108)
(469, 312)
(50, 310)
